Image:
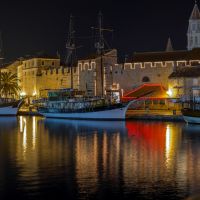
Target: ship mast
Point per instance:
(100, 47)
(71, 49)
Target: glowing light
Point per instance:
(23, 94)
(34, 93)
(169, 92)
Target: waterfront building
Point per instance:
(38, 74)
(185, 82)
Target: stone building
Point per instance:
(38, 74)
(94, 78)
(153, 67)
(184, 82)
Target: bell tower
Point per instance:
(193, 34)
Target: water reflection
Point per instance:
(81, 159)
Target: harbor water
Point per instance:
(62, 159)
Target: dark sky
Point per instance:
(139, 25)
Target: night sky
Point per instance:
(33, 26)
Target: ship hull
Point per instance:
(10, 109)
(192, 120)
(113, 114)
(191, 116)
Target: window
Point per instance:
(93, 65)
(193, 27)
(86, 66)
(42, 62)
(196, 40)
(80, 66)
(53, 63)
(145, 79)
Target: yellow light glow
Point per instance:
(169, 92)
(34, 93)
(23, 94)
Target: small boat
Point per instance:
(9, 107)
(191, 115)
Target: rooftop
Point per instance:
(187, 72)
(166, 56)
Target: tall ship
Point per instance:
(74, 104)
(71, 104)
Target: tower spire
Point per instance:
(169, 46)
(195, 12)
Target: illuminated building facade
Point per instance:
(38, 74)
(90, 76)
(185, 82)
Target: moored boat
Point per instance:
(69, 106)
(191, 115)
(9, 107)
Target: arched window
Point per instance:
(146, 79)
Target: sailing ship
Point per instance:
(79, 106)
(64, 104)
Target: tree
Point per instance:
(9, 84)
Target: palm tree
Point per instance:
(8, 84)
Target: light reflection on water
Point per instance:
(48, 159)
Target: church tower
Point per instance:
(193, 34)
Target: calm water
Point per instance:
(60, 159)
